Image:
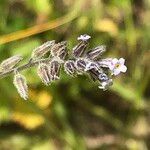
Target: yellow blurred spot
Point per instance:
(29, 121)
(107, 25)
(141, 125)
(135, 145)
(44, 99)
(25, 115)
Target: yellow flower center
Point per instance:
(117, 65)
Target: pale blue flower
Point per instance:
(117, 65)
(84, 37)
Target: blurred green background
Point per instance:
(73, 114)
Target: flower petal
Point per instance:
(84, 37)
(116, 72)
(111, 66)
(122, 61)
(123, 68)
(115, 61)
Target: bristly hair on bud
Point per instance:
(93, 74)
(21, 85)
(42, 50)
(105, 63)
(94, 53)
(92, 65)
(70, 68)
(62, 54)
(54, 69)
(10, 63)
(43, 73)
(59, 49)
(81, 65)
(79, 49)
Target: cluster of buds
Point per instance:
(90, 62)
(81, 61)
(50, 70)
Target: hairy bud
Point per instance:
(62, 55)
(43, 73)
(92, 65)
(59, 50)
(94, 74)
(94, 53)
(81, 64)
(54, 70)
(105, 62)
(79, 49)
(103, 77)
(42, 50)
(10, 63)
(21, 85)
(70, 68)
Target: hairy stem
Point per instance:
(28, 65)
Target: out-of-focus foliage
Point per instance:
(73, 113)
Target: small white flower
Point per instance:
(84, 37)
(117, 66)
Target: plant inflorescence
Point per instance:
(80, 61)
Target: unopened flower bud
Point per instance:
(9, 63)
(81, 64)
(105, 63)
(94, 74)
(42, 50)
(62, 54)
(79, 49)
(92, 65)
(94, 53)
(54, 70)
(70, 68)
(59, 50)
(43, 73)
(103, 77)
(21, 85)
